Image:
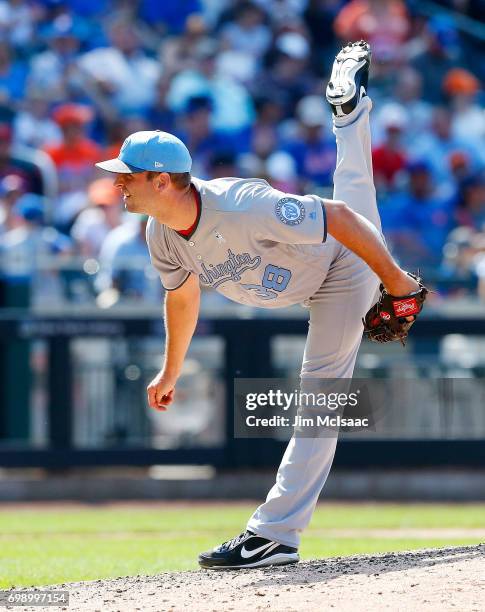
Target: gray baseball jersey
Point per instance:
(252, 243)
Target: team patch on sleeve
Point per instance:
(290, 211)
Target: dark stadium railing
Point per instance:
(247, 353)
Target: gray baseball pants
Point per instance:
(334, 336)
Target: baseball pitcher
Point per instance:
(262, 247)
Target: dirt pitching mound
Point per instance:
(435, 579)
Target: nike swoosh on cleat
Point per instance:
(275, 545)
(248, 554)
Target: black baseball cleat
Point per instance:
(350, 74)
(248, 550)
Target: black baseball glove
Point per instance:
(387, 320)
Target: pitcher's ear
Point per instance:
(160, 180)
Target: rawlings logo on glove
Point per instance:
(387, 320)
(404, 308)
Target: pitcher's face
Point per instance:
(137, 190)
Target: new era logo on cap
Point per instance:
(158, 165)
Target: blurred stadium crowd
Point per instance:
(241, 82)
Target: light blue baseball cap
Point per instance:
(153, 151)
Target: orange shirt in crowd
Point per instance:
(113, 150)
(84, 152)
(383, 24)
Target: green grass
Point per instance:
(48, 546)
